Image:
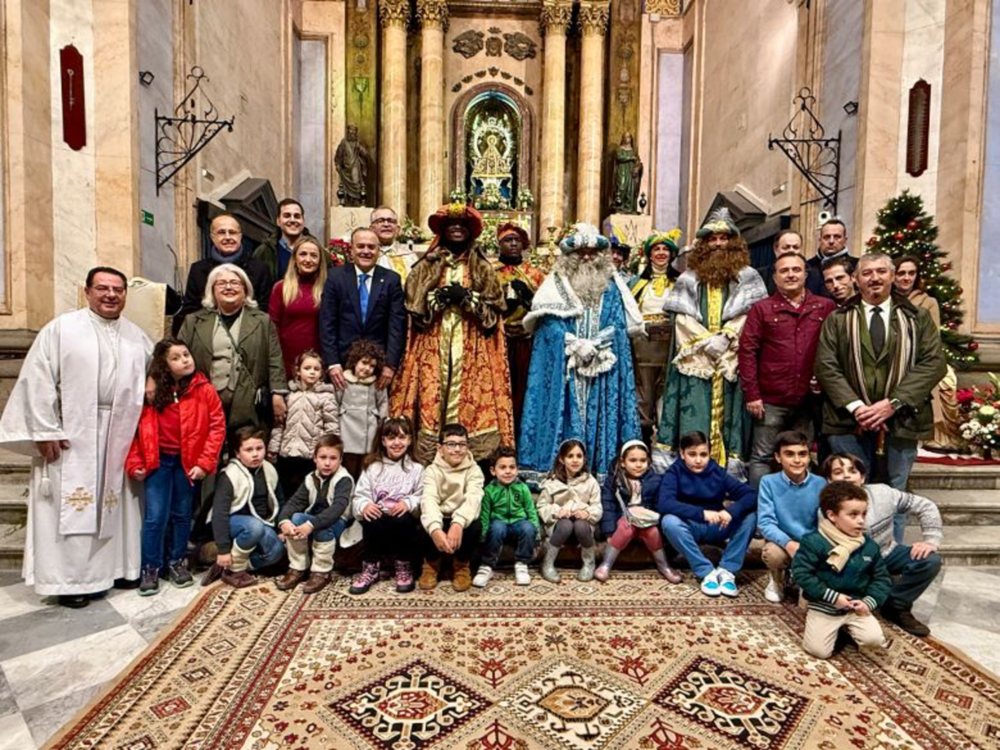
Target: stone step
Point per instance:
(13, 503)
(965, 507)
(12, 536)
(926, 476)
(966, 545)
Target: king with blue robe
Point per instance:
(581, 382)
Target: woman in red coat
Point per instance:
(178, 442)
(294, 303)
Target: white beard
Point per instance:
(589, 278)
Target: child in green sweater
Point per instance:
(508, 514)
(841, 573)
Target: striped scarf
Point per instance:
(905, 356)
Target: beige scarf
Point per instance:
(843, 545)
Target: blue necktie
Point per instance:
(363, 295)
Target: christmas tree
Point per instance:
(904, 228)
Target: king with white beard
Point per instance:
(74, 410)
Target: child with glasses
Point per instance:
(453, 494)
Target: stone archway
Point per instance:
(459, 146)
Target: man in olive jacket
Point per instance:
(878, 359)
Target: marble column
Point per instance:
(594, 25)
(394, 15)
(433, 15)
(555, 20)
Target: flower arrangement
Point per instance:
(458, 196)
(525, 200)
(491, 199)
(340, 251)
(980, 410)
(413, 233)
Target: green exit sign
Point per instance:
(147, 217)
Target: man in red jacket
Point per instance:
(776, 355)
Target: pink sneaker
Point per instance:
(364, 580)
(404, 577)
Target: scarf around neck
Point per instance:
(843, 545)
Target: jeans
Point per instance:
(765, 431)
(900, 455)
(910, 577)
(685, 536)
(252, 534)
(169, 499)
(326, 535)
(520, 533)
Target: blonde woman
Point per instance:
(294, 305)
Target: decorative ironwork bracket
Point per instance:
(180, 137)
(810, 151)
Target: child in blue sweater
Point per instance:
(787, 508)
(692, 506)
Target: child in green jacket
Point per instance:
(841, 573)
(508, 514)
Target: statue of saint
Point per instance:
(628, 175)
(351, 161)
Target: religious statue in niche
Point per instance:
(468, 43)
(492, 163)
(627, 177)
(351, 161)
(519, 46)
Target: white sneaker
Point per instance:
(521, 575)
(775, 591)
(710, 584)
(727, 583)
(483, 576)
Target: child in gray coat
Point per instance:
(362, 405)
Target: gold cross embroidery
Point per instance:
(80, 499)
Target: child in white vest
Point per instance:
(316, 515)
(244, 511)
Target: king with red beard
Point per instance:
(709, 303)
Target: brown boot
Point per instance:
(238, 579)
(429, 575)
(461, 580)
(317, 582)
(290, 580)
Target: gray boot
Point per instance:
(549, 564)
(589, 555)
(660, 556)
(603, 571)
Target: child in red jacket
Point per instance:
(180, 435)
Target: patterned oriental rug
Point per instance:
(635, 663)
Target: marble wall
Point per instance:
(670, 118)
(246, 58)
(988, 311)
(923, 58)
(310, 142)
(74, 173)
(842, 61)
(155, 51)
(746, 83)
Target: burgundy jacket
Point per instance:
(778, 348)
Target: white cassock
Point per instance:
(82, 381)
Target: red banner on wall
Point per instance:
(74, 113)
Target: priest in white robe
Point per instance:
(74, 410)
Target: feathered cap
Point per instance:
(670, 239)
(718, 222)
(583, 236)
(456, 212)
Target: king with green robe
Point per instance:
(709, 304)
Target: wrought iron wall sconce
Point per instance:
(810, 151)
(180, 137)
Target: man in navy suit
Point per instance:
(362, 300)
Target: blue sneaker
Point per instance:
(710, 584)
(727, 583)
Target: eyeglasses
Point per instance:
(454, 446)
(384, 221)
(227, 233)
(116, 290)
(229, 284)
